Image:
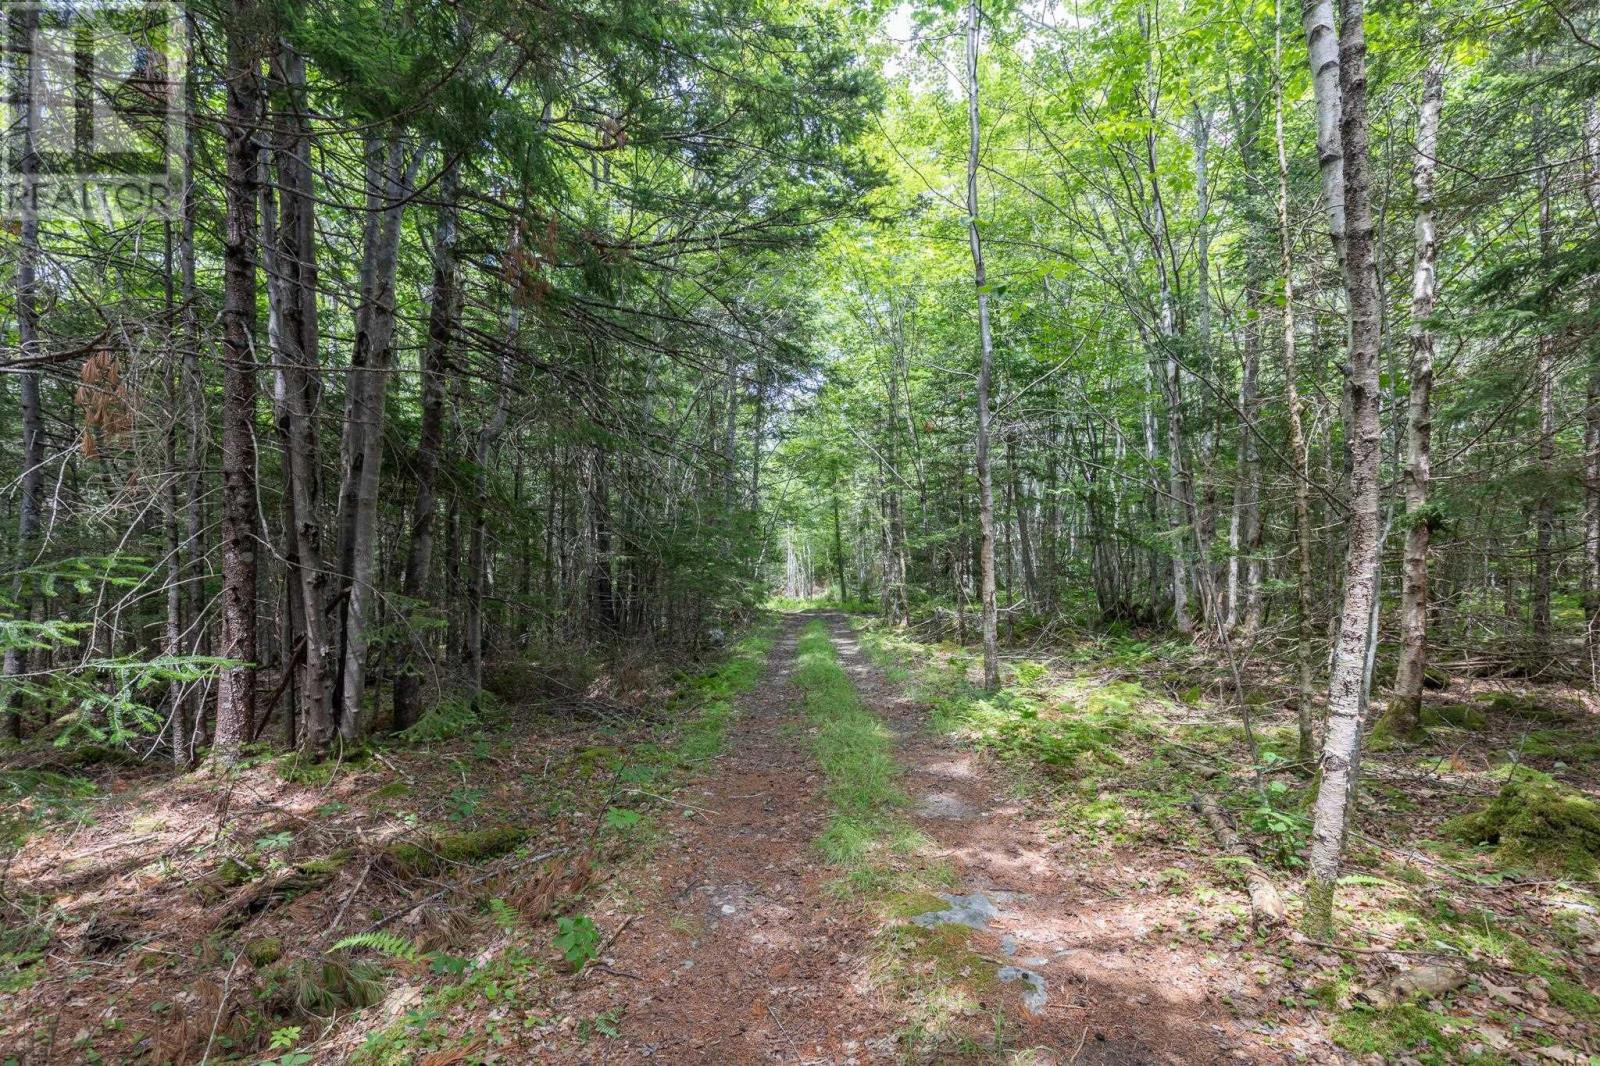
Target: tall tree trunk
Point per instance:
(1403, 717)
(1166, 367)
(1019, 503)
(25, 81)
(1202, 482)
(294, 287)
(1347, 685)
(1591, 421)
(364, 412)
(730, 443)
(430, 440)
(838, 548)
(195, 407)
(1244, 531)
(477, 546)
(894, 525)
(602, 598)
(236, 690)
(1305, 633)
(1545, 518)
(172, 505)
(1323, 46)
(757, 427)
(991, 636)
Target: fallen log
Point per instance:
(1266, 903)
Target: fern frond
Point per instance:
(390, 944)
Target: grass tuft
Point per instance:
(855, 752)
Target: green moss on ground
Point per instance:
(1457, 716)
(438, 852)
(1405, 1032)
(1537, 823)
(263, 950)
(1521, 705)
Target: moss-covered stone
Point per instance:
(437, 852)
(1522, 705)
(263, 950)
(1537, 823)
(234, 872)
(1456, 716)
(911, 904)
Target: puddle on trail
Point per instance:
(1035, 997)
(976, 912)
(945, 805)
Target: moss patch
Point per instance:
(1539, 824)
(944, 954)
(1457, 716)
(1406, 1030)
(950, 993)
(1520, 705)
(438, 852)
(911, 904)
(263, 950)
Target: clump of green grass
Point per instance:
(321, 988)
(713, 695)
(854, 750)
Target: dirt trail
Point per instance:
(1114, 992)
(739, 954)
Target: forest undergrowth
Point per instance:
(442, 894)
(1450, 950)
(439, 878)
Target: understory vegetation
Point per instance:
(1475, 853)
(443, 876)
(424, 420)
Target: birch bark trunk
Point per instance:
(1346, 688)
(1305, 631)
(1322, 43)
(1403, 716)
(991, 652)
